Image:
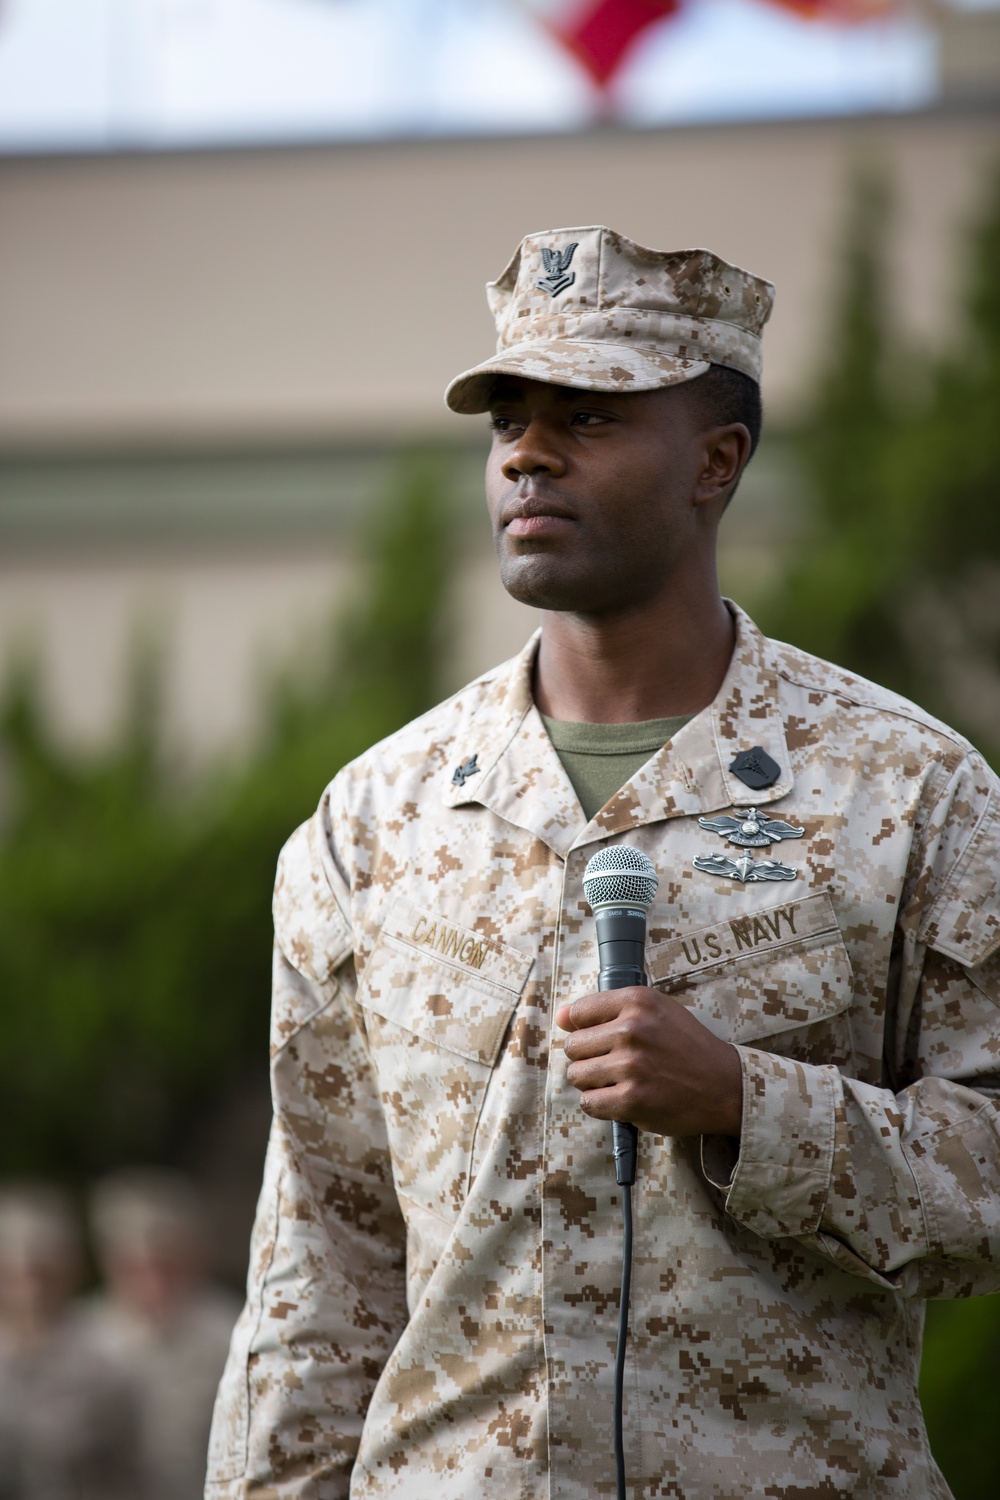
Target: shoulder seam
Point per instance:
(896, 710)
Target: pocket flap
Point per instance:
(760, 973)
(444, 982)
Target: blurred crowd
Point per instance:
(107, 1394)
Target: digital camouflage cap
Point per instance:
(587, 307)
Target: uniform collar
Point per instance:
(520, 778)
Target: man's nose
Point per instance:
(535, 452)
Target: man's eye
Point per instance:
(587, 419)
(501, 424)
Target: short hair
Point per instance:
(726, 395)
(37, 1223)
(139, 1208)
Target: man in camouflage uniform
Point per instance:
(435, 1264)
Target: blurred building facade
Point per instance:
(207, 358)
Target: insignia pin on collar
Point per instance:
(468, 768)
(755, 768)
(744, 869)
(751, 829)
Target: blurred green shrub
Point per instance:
(899, 578)
(960, 1390)
(900, 581)
(135, 914)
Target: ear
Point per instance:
(725, 454)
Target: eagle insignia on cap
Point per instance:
(557, 276)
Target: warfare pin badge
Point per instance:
(558, 275)
(751, 829)
(744, 869)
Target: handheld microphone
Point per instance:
(620, 883)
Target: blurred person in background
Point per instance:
(160, 1320)
(68, 1428)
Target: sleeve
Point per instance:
(899, 1185)
(326, 1293)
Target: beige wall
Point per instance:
(227, 622)
(228, 615)
(257, 298)
(224, 621)
(335, 291)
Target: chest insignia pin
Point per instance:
(751, 829)
(744, 869)
(468, 768)
(755, 768)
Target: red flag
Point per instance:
(600, 32)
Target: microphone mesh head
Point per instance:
(620, 876)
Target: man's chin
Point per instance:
(535, 582)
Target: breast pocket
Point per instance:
(779, 978)
(438, 999)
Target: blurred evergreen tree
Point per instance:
(835, 597)
(900, 454)
(135, 917)
(900, 581)
(959, 1380)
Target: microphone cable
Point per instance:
(620, 883)
(623, 1306)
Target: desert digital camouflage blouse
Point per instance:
(435, 1264)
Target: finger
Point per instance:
(595, 1073)
(595, 1041)
(590, 1010)
(604, 1104)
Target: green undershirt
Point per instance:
(600, 758)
